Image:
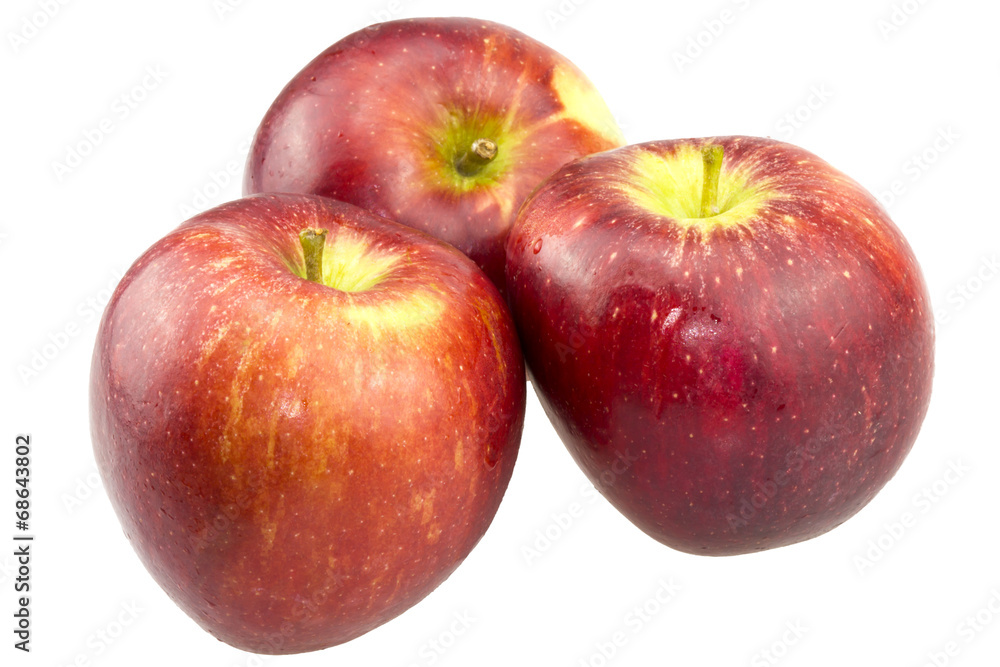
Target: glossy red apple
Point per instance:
(301, 447)
(736, 366)
(444, 124)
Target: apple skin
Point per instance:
(295, 464)
(379, 119)
(729, 386)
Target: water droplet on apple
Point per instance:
(537, 247)
(492, 454)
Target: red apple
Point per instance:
(444, 124)
(731, 337)
(301, 448)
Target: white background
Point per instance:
(881, 96)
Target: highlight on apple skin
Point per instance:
(738, 352)
(443, 124)
(300, 448)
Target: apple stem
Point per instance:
(712, 157)
(313, 242)
(478, 156)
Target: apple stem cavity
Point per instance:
(313, 242)
(480, 154)
(712, 158)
